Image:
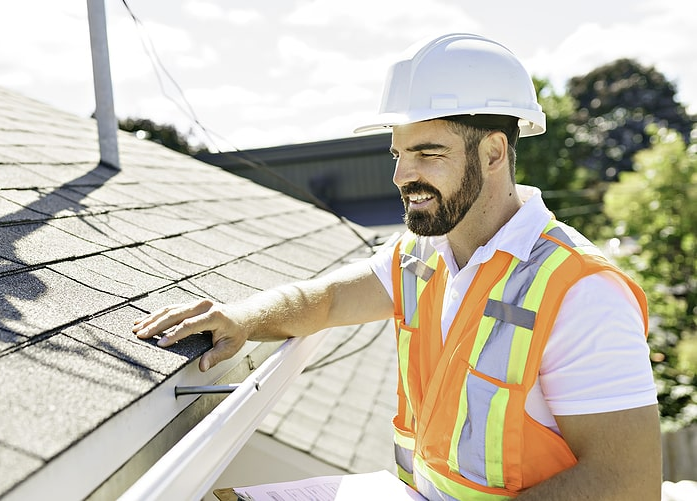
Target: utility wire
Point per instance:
(246, 159)
(158, 67)
(325, 360)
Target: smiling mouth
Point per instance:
(417, 200)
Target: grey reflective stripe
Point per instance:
(510, 313)
(417, 267)
(471, 455)
(408, 296)
(571, 237)
(495, 355)
(512, 320)
(430, 491)
(404, 458)
(414, 266)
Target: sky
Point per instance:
(273, 72)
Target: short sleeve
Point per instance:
(381, 264)
(597, 359)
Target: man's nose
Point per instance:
(404, 172)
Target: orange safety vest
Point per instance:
(461, 430)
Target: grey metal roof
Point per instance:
(365, 144)
(85, 249)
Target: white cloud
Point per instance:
(332, 97)
(52, 46)
(282, 71)
(203, 10)
(225, 95)
(664, 39)
(205, 57)
(243, 16)
(388, 18)
(210, 11)
(129, 47)
(16, 78)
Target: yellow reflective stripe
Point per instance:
(403, 354)
(462, 409)
(520, 347)
(487, 323)
(411, 243)
(405, 476)
(533, 299)
(403, 440)
(493, 447)
(451, 487)
(550, 226)
(432, 260)
(405, 335)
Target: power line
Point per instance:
(158, 66)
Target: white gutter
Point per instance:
(190, 468)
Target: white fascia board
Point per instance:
(191, 467)
(84, 466)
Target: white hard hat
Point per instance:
(459, 74)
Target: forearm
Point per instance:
(351, 295)
(287, 311)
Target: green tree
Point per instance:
(571, 191)
(657, 205)
(166, 135)
(614, 105)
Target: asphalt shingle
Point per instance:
(85, 249)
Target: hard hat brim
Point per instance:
(530, 122)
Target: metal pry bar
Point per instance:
(199, 390)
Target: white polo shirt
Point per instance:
(596, 358)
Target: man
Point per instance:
(522, 357)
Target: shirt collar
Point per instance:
(517, 237)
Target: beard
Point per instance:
(450, 211)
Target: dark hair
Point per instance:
(473, 128)
(504, 123)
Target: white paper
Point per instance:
(377, 486)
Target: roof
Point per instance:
(84, 250)
(365, 144)
(340, 409)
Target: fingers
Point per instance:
(176, 322)
(222, 350)
(186, 327)
(170, 316)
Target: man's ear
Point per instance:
(494, 151)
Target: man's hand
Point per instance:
(176, 322)
(350, 295)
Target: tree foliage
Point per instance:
(657, 205)
(615, 104)
(164, 134)
(549, 162)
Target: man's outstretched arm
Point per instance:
(350, 295)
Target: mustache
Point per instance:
(416, 187)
